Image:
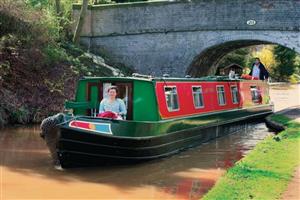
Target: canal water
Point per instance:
(27, 173)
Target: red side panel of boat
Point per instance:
(209, 89)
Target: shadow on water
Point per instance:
(187, 175)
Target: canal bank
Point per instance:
(267, 170)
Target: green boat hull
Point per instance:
(138, 141)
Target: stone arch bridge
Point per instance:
(187, 37)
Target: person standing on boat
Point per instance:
(258, 70)
(112, 103)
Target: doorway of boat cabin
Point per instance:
(93, 96)
(98, 91)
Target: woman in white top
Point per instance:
(112, 103)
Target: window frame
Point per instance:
(257, 96)
(197, 86)
(237, 97)
(221, 86)
(172, 86)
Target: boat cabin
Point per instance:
(155, 99)
(224, 71)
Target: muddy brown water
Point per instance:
(27, 172)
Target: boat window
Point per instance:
(198, 96)
(255, 94)
(221, 95)
(234, 94)
(172, 98)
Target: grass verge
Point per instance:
(266, 171)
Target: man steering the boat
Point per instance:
(112, 107)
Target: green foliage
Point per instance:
(281, 119)
(56, 25)
(54, 54)
(38, 3)
(4, 68)
(65, 19)
(124, 1)
(20, 115)
(238, 56)
(265, 172)
(266, 56)
(72, 49)
(297, 63)
(280, 61)
(293, 128)
(51, 26)
(37, 62)
(285, 59)
(31, 26)
(95, 2)
(295, 78)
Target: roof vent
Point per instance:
(166, 75)
(188, 76)
(141, 75)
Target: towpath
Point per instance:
(293, 191)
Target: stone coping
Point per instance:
(291, 112)
(77, 6)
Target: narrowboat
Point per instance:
(164, 116)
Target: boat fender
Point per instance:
(50, 133)
(51, 122)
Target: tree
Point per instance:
(57, 8)
(80, 21)
(266, 56)
(286, 65)
(297, 63)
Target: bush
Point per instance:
(21, 115)
(294, 79)
(3, 118)
(39, 68)
(54, 54)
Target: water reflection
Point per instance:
(26, 168)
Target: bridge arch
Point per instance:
(206, 62)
